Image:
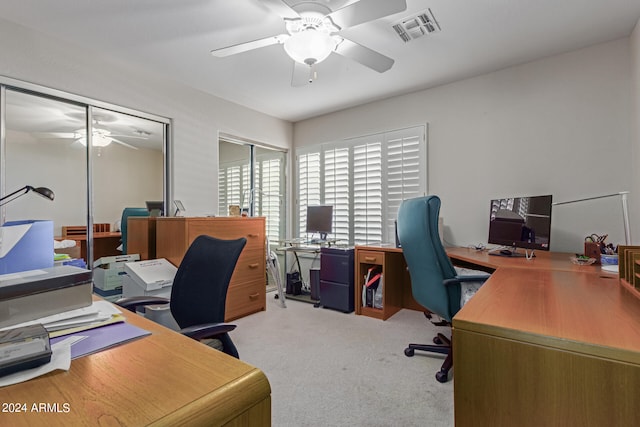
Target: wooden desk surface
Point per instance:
(542, 261)
(163, 379)
(101, 235)
(546, 342)
(581, 312)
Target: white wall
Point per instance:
(197, 117)
(121, 177)
(559, 125)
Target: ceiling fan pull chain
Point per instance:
(312, 74)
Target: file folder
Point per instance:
(26, 245)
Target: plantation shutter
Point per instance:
(336, 190)
(308, 185)
(365, 179)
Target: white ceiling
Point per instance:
(174, 38)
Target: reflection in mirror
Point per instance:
(46, 145)
(36, 156)
(127, 164)
(266, 197)
(269, 191)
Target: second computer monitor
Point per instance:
(320, 220)
(155, 208)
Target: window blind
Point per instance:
(365, 179)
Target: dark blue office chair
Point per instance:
(199, 291)
(435, 283)
(126, 213)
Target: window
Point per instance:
(365, 179)
(266, 196)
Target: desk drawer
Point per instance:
(336, 266)
(253, 231)
(245, 298)
(370, 257)
(338, 296)
(251, 266)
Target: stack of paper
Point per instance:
(100, 313)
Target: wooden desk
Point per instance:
(104, 244)
(546, 343)
(164, 379)
(396, 293)
(542, 261)
(141, 236)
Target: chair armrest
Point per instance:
(461, 279)
(131, 303)
(207, 330)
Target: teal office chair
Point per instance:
(435, 283)
(126, 213)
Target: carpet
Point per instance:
(328, 368)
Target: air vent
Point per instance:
(417, 26)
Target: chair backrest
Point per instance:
(426, 258)
(126, 213)
(199, 290)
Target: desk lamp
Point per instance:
(43, 191)
(625, 210)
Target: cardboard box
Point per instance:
(150, 277)
(30, 295)
(109, 271)
(26, 245)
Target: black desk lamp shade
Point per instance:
(43, 191)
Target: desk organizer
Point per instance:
(629, 267)
(43, 292)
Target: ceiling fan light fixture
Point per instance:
(309, 46)
(100, 138)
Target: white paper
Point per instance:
(610, 268)
(80, 316)
(10, 235)
(60, 359)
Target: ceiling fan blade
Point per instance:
(243, 47)
(129, 136)
(364, 55)
(60, 135)
(302, 74)
(281, 8)
(123, 143)
(364, 11)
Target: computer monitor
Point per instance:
(520, 222)
(155, 208)
(320, 220)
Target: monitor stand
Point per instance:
(513, 253)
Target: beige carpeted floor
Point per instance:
(328, 368)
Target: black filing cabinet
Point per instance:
(336, 279)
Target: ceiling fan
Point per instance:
(312, 34)
(100, 137)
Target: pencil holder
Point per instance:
(593, 250)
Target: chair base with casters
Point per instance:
(442, 345)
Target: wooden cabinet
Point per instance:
(396, 285)
(141, 236)
(247, 289)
